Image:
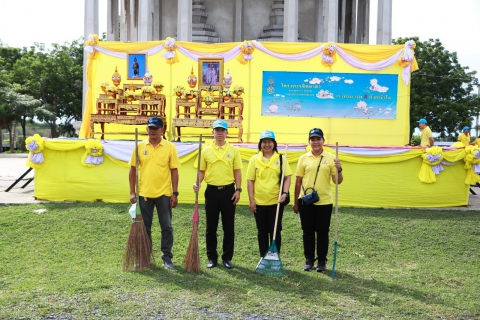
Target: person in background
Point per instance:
(264, 175)
(476, 142)
(158, 184)
(221, 168)
(315, 169)
(464, 137)
(426, 134)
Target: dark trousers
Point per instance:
(164, 213)
(218, 201)
(315, 220)
(265, 219)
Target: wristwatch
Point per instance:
(175, 193)
(238, 189)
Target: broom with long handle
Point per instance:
(271, 264)
(138, 251)
(192, 259)
(335, 245)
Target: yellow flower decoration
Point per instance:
(329, 54)
(171, 50)
(93, 153)
(431, 165)
(472, 157)
(89, 43)
(247, 49)
(35, 146)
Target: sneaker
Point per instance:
(167, 263)
(321, 267)
(308, 265)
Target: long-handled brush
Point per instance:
(335, 245)
(271, 264)
(192, 259)
(138, 251)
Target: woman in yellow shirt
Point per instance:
(263, 182)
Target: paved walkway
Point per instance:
(12, 166)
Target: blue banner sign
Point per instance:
(329, 95)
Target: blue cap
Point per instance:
(155, 122)
(267, 134)
(220, 124)
(422, 121)
(465, 128)
(315, 132)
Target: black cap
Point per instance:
(315, 132)
(155, 122)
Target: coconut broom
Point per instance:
(192, 259)
(138, 251)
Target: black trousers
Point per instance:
(218, 202)
(265, 219)
(315, 221)
(164, 213)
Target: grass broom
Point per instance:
(335, 244)
(138, 251)
(271, 264)
(192, 259)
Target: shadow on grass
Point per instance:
(412, 214)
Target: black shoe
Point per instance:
(308, 265)
(227, 264)
(321, 267)
(211, 263)
(167, 263)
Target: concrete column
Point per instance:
(319, 21)
(184, 21)
(157, 26)
(384, 22)
(330, 30)
(90, 26)
(112, 21)
(237, 21)
(290, 24)
(341, 20)
(350, 21)
(145, 20)
(124, 18)
(363, 22)
(132, 23)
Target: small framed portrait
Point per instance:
(210, 72)
(136, 65)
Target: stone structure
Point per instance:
(211, 21)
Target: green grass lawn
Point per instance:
(66, 263)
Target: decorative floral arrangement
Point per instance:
(328, 54)
(148, 89)
(208, 98)
(238, 89)
(415, 141)
(129, 94)
(431, 165)
(190, 92)
(35, 146)
(246, 49)
(171, 47)
(158, 84)
(111, 88)
(93, 153)
(472, 159)
(226, 93)
(104, 85)
(179, 89)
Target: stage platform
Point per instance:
(373, 176)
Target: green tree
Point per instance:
(55, 78)
(440, 89)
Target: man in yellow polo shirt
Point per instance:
(315, 169)
(158, 184)
(426, 134)
(464, 138)
(221, 168)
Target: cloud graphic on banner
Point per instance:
(348, 81)
(315, 81)
(335, 79)
(273, 108)
(374, 86)
(324, 94)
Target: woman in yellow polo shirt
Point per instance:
(315, 169)
(263, 182)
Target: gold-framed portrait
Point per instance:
(136, 66)
(210, 72)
